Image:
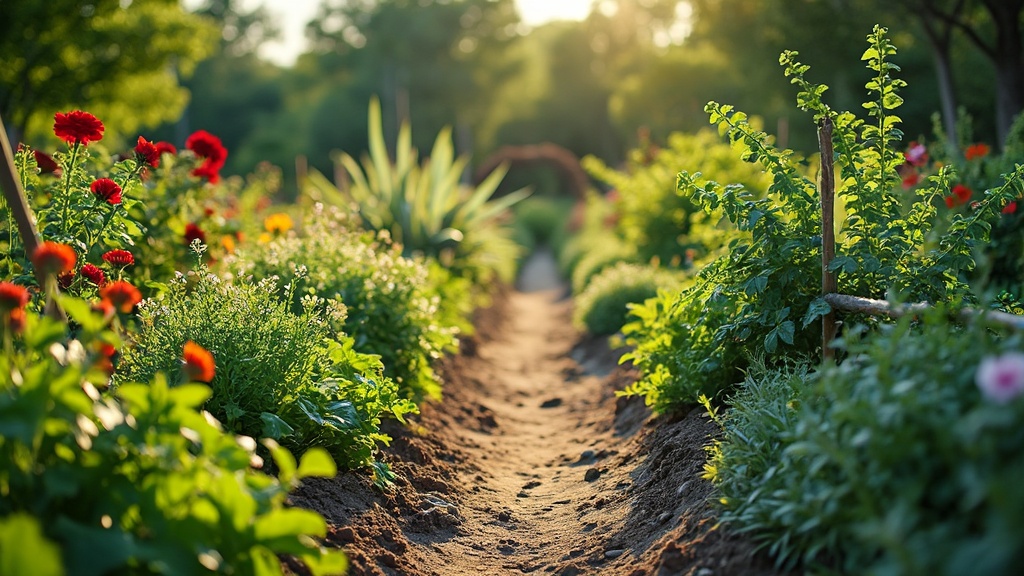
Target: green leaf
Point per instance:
(787, 332)
(815, 310)
(274, 427)
(283, 459)
(287, 524)
(25, 550)
(316, 462)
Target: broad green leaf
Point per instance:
(316, 462)
(274, 427)
(25, 550)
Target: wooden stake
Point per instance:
(827, 189)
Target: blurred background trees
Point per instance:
(631, 69)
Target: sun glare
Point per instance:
(536, 12)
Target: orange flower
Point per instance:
(54, 259)
(278, 223)
(199, 365)
(975, 151)
(12, 296)
(122, 295)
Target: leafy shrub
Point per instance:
(543, 217)
(891, 463)
(602, 308)
(598, 258)
(279, 375)
(135, 481)
(394, 307)
(657, 220)
(591, 232)
(762, 297)
(425, 208)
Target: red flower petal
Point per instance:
(77, 127)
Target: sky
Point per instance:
(292, 16)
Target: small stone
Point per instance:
(552, 403)
(614, 553)
(587, 455)
(683, 487)
(664, 517)
(705, 572)
(592, 474)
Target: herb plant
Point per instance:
(763, 296)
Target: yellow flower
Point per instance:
(278, 223)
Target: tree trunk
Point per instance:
(947, 98)
(1008, 61)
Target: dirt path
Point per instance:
(532, 465)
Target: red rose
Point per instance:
(107, 190)
(77, 127)
(147, 152)
(1010, 208)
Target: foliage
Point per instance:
(763, 296)
(657, 220)
(137, 480)
(603, 306)
(425, 208)
(543, 217)
(893, 462)
(121, 60)
(394, 307)
(279, 375)
(599, 257)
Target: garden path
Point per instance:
(532, 465)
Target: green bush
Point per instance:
(894, 462)
(279, 375)
(543, 217)
(652, 216)
(599, 257)
(762, 297)
(602, 308)
(394, 304)
(137, 480)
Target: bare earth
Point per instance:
(532, 465)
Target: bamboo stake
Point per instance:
(14, 196)
(827, 189)
(872, 307)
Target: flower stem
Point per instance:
(67, 189)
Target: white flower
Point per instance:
(1001, 378)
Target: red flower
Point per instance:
(916, 154)
(46, 163)
(53, 258)
(975, 151)
(1010, 208)
(16, 320)
(208, 171)
(107, 190)
(77, 127)
(962, 193)
(209, 147)
(911, 180)
(950, 202)
(122, 295)
(119, 258)
(199, 365)
(12, 296)
(146, 151)
(166, 148)
(93, 274)
(65, 279)
(193, 232)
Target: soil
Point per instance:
(531, 464)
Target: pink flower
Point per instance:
(1001, 378)
(916, 154)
